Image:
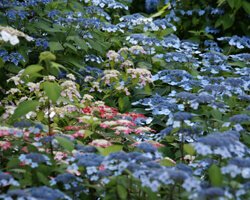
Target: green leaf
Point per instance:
(46, 27)
(70, 46)
(238, 64)
(23, 108)
(52, 90)
(144, 65)
(227, 21)
(220, 2)
(57, 66)
(96, 45)
(148, 90)
(216, 114)
(246, 6)
(215, 175)
(65, 143)
(111, 149)
(160, 12)
(47, 56)
(88, 133)
(237, 4)
(150, 194)
(31, 69)
(18, 171)
(79, 42)
(1, 63)
(122, 192)
(246, 139)
(55, 46)
(13, 162)
(40, 115)
(189, 149)
(231, 3)
(123, 103)
(43, 179)
(167, 162)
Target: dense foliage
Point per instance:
(99, 101)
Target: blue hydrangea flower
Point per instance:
(69, 181)
(217, 11)
(241, 118)
(211, 30)
(86, 149)
(212, 46)
(225, 144)
(146, 147)
(171, 41)
(244, 57)
(211, 192)
(7, 180)
(43, 43)
(34, 159)
(237, 166)
(41, 193)
(237, 41)
(93, 58)
(89, 159)
(13, 57)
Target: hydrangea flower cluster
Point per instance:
(7, 180)
(34, 159)
(42, 192)
(69, 90)
(110, 119)
(9, 34)
(226, 145)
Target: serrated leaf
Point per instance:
(47, 56)
(55, 46)
(65, 143)
(215, 175)
(52, 90)
(23, 108)
(31, 69)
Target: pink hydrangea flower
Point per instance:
(4, 145)
(100, 143)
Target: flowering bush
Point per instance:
(100, 102)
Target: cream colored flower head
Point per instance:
(9, 34)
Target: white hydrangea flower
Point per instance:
(6, 37)
(9, 34)
(71, 76)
